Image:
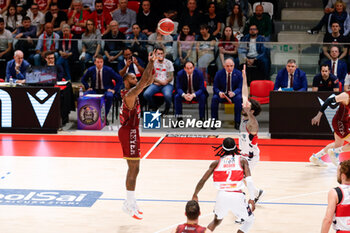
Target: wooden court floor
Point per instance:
(60, 183)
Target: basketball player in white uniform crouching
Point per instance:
(338, 210)
(248, 136)
(228, 175)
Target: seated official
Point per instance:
(190, 86)
(163, 76)
(291, 77)
(325, 81)
(101, 82)
(228, 85)
(338, 67)
(17, 68)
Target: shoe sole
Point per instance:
(317, 162)
(125, 209)
(333, 157)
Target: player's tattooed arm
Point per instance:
(204, 179)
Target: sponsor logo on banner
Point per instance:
(29, 197)
(151, 120)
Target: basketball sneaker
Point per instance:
(260, 195)
(132, 210)
(317, 161)
(333, 156)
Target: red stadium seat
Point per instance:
(134, 5)
(2, 80)
(260, 90)
(340, 87)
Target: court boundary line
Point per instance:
(153, 147)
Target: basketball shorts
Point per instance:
(234, 202)
(130, 141)
(341, 128)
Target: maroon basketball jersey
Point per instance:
(341, 120)
(129, 117)
(190, 228)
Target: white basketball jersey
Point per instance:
(247, 145)
(341, 220)
(228, 175)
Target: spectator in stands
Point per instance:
(185, 43)
(101, 77)
(243, 5)
(137, 41)
(4, 5)
(262, 21)
(49, 57)
(213, 21)
(228, 85)
(17, 68)
(130, 64)
(113, 48)
(88, 5)
(163, 76)
(56, 17)
(37, 18)
(124, 16)
(205, 49)
(25, 35)
(101, 17)
(338, 13)
(190, 87)
(157, 40)
(191, 17)
(335, 38)
(48, 41)
(338, 67)
(176, 7)
(12, 19)
(147, 18)
(325, 81)
(253, 53)
(291, 77)
(68, 50)
(63, 5)
(228, 46)
(110, 5)
(91, 43)
(77, 18)
(43, 5)
(236, 21)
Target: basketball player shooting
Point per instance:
(340, 123)
(129, 132)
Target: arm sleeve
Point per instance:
(328, 102)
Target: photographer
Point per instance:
(130, 64)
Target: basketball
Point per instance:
(166, 26)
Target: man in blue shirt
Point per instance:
(17, 67)
(291, 77)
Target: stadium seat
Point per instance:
(134, 5)
(340, 87)
(260, 90)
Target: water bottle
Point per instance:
(11, 81)
(81, 93)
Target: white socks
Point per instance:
(320, 153)
(338, 150)
(130, 196)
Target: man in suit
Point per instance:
(17, 68)
(291, 77)
(190, 86)
(338, 67)
(228, 86)
(101, 82)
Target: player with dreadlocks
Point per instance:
(228, 174)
